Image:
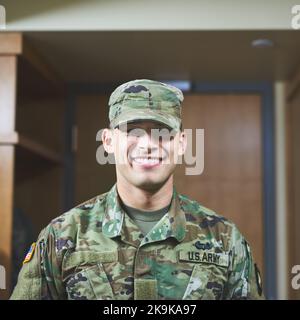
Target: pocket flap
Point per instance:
(87, 257)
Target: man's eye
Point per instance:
(164, 134)
(167, 137)
(161, 134)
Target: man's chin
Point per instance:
(149, 184)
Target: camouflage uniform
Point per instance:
(95, 251)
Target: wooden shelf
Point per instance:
(31, 146)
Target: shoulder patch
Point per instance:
(29, 253)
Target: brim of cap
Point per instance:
(151, 115)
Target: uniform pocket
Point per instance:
(206, 283)
(208, 276)
(89, 284)
(197, 285)
(84, 276)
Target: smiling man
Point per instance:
(141, 239)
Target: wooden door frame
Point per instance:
(265, 90)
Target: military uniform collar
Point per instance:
(171, 225)
(114, 214)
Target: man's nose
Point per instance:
(145, 141)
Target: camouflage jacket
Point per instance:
(95, 251)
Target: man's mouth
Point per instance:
(147, 162)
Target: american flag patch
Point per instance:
(29, 253)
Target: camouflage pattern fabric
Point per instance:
(95, 251)
(146, 100)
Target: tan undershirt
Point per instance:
(145, 220)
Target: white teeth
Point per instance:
(151, 161)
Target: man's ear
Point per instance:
(182, 143)
(107, 139)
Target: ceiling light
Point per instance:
(262, 43)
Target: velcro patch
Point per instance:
(29, 253)
(204, 256)
(145, 289)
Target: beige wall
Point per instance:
(148, 15)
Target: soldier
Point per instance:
(141, 240)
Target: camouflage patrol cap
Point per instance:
(146, 100)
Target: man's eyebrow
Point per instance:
(139, 126)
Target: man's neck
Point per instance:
(144, 199)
